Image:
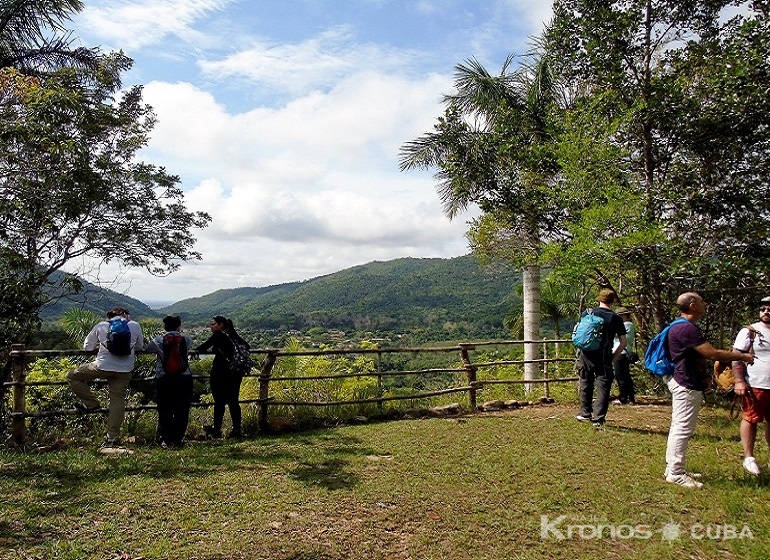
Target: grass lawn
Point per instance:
(491, 485)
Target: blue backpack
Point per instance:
(657, 358)
(119, 337)
(587, 334)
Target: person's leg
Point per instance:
(182, 408)
(218, 393)
(118, 390)
(748, 431)
(586, 388)
(78, 380)
(165, 409)
(234, 394)
(603, 388)
(685, 405)
(622, 372)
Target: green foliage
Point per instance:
(78, 323)
(68, 147)
(664, 150)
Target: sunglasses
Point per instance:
(763, 309)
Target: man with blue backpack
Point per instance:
(688, 350)
(593, 338)
(116, 341)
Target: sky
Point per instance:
(284, 120)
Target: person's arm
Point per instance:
(621, 346)
(139, 336)
(92, 339)
(741, 387)
(206, 345)
(708, 351)
(152, 346)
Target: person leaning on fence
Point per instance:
(174, 382)
(225, 386)
(115, 368)
(621, 365)
(752, 383)
(594, 367)
(689, 350)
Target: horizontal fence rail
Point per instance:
(271, 358)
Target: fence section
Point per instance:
(269, 375)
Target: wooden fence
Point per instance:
(20, 359)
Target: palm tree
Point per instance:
(25, 45)
(491, 149)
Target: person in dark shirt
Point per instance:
(689, 350)
(225, 386)
(595, 367)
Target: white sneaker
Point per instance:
(750, 464)
(684, 480)
(581, 418)
(695, 475)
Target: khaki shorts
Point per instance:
(756, 405)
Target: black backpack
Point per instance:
(241, 362)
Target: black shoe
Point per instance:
(83, 409)
(234, 434)
(211, 432)
(110, 442)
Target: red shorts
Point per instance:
(756, 406)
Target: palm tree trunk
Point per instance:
(531, 285)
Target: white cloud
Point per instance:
(316, 62)
(302, 178)
(131, 25)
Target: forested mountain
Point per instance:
(451, 295)
(439, 297)
(96, 299)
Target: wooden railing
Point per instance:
(20, 358)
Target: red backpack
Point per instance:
(174, 354)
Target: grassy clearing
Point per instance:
(471, 487)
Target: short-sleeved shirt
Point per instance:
(691, 370)
(758, 373)
(613, 327)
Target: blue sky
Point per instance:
(284, 118)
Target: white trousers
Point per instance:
(685, 404)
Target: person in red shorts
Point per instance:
(752, 383)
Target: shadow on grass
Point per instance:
(330, 474)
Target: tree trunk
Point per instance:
(531, 285)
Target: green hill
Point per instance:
(438, 294)
(96, 299)
(442, 298)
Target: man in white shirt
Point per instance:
(752, 383)
(115, 368)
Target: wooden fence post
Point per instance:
(264, 390)
(470, 371)
(19, 375)
(545, 370)
(380, 389)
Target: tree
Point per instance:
(492, 148)
(666, 147)
(25, 46)
(70, 185)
